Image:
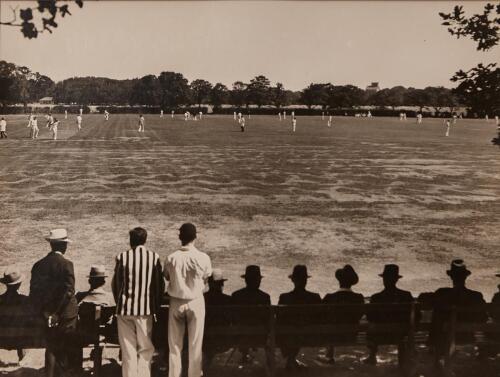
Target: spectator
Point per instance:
(186, 270)
(52, 291)
(250, 295)
(496, 304)
(445, 298)
(215, 297)
(96, 294)
(346, 277)
(138, 288)
(299, 296)
(3, 128)
(389, 295)
(12, 280)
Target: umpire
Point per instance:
(52, 291)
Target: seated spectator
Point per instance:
(215, 297)
(346, 277)
(250, 295)
(12, 280)
(299, 296)
(96, 294)
(389, 295)
(496, 304)
(445, 298)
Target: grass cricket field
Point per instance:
(365, 191)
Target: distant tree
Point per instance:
(36, 20)
(342, 96)
(238, 95)
(146, 91)
(258, 91)
(440, 97)
(200, 90)
(175, 89)
(41, 86)
(279, 95)
(416, 97)
(218, 95)
(477, 87)
(392, 97)
(315, 94)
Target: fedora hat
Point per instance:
(97, 272)
(299, 272)
(252, 271)
(391, 270)
(11, 277)
(217, 275)
(457, 268)
(58, 235)
(497, 275)
(347, 275)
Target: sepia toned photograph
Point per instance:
(249, 188)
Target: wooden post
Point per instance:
(271, 354)
(450, 340)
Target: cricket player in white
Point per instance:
(239, 117)
(34, 128)
(293, 114)
(141, 123)
(185, 116)
(106, 115)
(294, 124)
(30, 119)
(234, 115)
(81, 111)
(454, 119)
(369, 115)
(53, 128)
(3, 128)
(200, 113)
(242, 124)
(447, 122)
(186, 271)
(330, 121)
(322, 115)
(50, 120)
(79, 121)
(161, 113)
(497, 122)
(284, 115)
(172, 114)
(65, 114)
(279, 114)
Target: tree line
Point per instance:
(170, 90)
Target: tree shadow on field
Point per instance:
(23, 372)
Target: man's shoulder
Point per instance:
(238, 293)
(285, 297)
(313, 296)
(475, 295)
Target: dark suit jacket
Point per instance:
(52, 286)
(215, 317)
(246, 296)
(344, 315)
(396, 296)
(496, 306)
(297, 316)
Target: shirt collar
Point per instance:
(344, 290)
(97, 290)
(188, 247)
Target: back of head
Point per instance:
(187, 233)
(60, 246)
(138, 236)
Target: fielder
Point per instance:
(454, 118)
(448, 124)
(79, 122)
(279, 114)
(294, 124)
(3, 128)
(161, 113)
(419, 118)
(34, 128)
(497, 121)
(284, 115)
(234, 115)
(81, 111)
(53, 128)
(106, 115)
(322, 115)
(242, 124)
(141, 123)
(50, 120)
(172, 114)
(30, 119)
(330, 120)
(65, 114)
(369, 115)
(200, 113)
(186, 116)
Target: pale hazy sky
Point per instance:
(296, 43)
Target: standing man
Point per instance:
(234, 115)
(65, 114)
(454, 119)
(447, 122)
(294, 124)
(138, 287)
(172, 114)
(106, 115)
(34, 128)
(50, 120)
(141, 123)
(30, 119)
(322, 115)
(279, 114)
(79, 122)
(3, 128)
(284, 115)
(186, 270)
(52, 292)
(200, 113)
(242, 124)
(53, 128)
(161, 113)
(81, 111)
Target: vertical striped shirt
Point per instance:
(138, 282)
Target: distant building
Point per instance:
(47, 100)
(372, 88)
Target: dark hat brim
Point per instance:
(465, 272)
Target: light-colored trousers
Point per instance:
(134, 334)
(182, 313)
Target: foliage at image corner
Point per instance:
(36, 20)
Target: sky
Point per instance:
(292, 42)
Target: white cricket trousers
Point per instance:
(134, 334)
(182, 313)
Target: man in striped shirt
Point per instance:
(138, 287)
(186, 270)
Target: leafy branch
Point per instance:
(48, 10)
